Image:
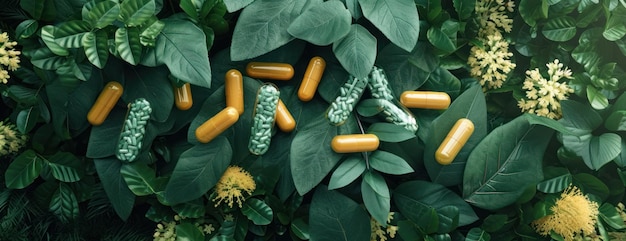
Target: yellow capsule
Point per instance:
(182, 97)
(267, 70)
(217, 124)
(311, 79)
(233, 88)
(425, 99)
(455, 140)
(105, 103)
(284, 120)
(354, 143)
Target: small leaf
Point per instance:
(140, 178)
(464, 8)
(27, 119)
(70, 34)
(26, 29)
(103, 14)
(333, 216)
(128, 44)
(47, 35)
(322, 24)
(64, 204)
(193, 209)
(66, 167)
(96, 48)
(390, 132)
(397, 20)
(45, 59)
(560, 29)
(597, 100)
(477, 234)
(356, 51)
(615, 27)
(300, 228)
(399, 65)
(236, 5)
(135, 12)
(389, 163)
(348, 171)
(376, 196)
(120, 196)
(609, 214)
(188, 232)
(440, 40)
(448, 219)
(257, 211)
(556, 184)
(23, 170)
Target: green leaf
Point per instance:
(300, 228)
(348, 171)
(64, 204)
(597, 100)
(188, 232)
(555, 184)
(494, 222)
(66, 167)
(579, 118)
(376, 196)
(26, 119)
(39, 9)
(448, 219)
(257, 211)
(236, 5)
(120, 196)
(47, 35)
(128, 44)
(615, 27)
(477, 234)
(400, 66)
(464, 8)
(198, 170)
(193, 209)
(532, 10)
(388, 132)
(262, 27)
(96, 48)
(189, 8)
(140, 178)
(590, 184)
(440, 40)
(23, 94)
(610, 216)
(103, 138)
(471, 105)
(150, 31)
(389, 163)
(103, 14)
(560, 29)
(70, 34)
(586, 54)
(334, 217)
(153, 85)
(26, 29)
(508, 158)
(397, 20)
(547, 122)
(45, 59)
(135, 12)
(322, 24)
(187, 61)
(23, 170)
(356, 51)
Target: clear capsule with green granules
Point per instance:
(379, 85)
(349, 94)
(133, 130)
(263, 119)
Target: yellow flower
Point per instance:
(572, 214)
(8, 57)
(11, 141)
(234, 182)
(491, 63)
(545, 94)
(165, 231)
(378, 233)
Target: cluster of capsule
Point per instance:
(349, 95)
(131, 138)
(264, 116)
(379, 88)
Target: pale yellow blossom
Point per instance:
(9, 57)
(543, 95)
(232, 185)
(491, 63)
(379, 233)
(11, 141)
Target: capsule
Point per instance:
(425, 99)
(311, 78)
(217, 124)
(267, 70)
(455, 140)
(233, 88)
(354, 143)
(284, 119)
(182, 97)
(105, 103)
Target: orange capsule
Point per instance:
(105, 103)
(233, 88)
(311, 79)
(217, 124)
(354, 143)
(267, 70)
(182, 97)
(284, 119)
(425, 99)
(454, 141)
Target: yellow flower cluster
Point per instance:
(378, 233)
(10, 139)
(543, 95)
(8, 57)
(573, 214)
(491, 62)
(231, 186)
(166, 231)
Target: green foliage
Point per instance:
(334, 216)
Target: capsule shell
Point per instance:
(354, 143)
(105, 103)
(182, 97)
(233, 88)
(267, 70)
(454, 141)
(217, 124)
(284, 119)
(425, 99)
(311, 79)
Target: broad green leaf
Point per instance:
(27, 119)
(448, 219)
(262, 27)
(397, 20)
(609, 214)
(23, 170)
(47, 35)
(135, 12)
(64, 204)
(560, 29)
(103, 138)
(444, 81)
(187, 61)
(70, 34)
(597, 100)
(26, 29)
(356, 51)
(354, 8)
(188, 232)
(533, 10)
(257, 211)
(615, 27)
(388, 132)
(300, 228)
(322, 24)
(579, 118)
(370, 107)
(555, 184)
(150, 31)
(409, 231)
(23, 94)
(389, 163)
(587, 55)
(120, 196)
(45, 59)
(440, 40)
(547, 122)
(401, 66)
(471, 105)
(334, 77)
(334, 217)
(494, 222)
(153, 85)
(464, 9)
(66, 167)
(376, 196)
(39, 9)
(198, 170)
(128, 44)
(590, 184)
(190, 8)
(508, 158)
(96, 48)
(103, 14)
(236, 5)
(140, 178)
(348, 171)
(477, 234)
(192, 209)
(620, 160)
